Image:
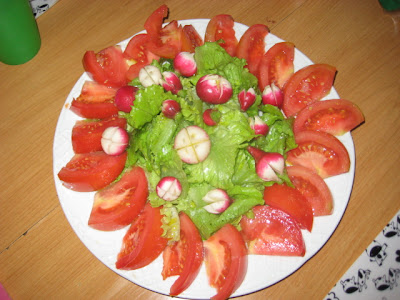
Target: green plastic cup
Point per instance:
(19, 34)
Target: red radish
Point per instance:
(246, 98)
(149, 75)
(185, 64)
(124, 98)
(272, 95)
(258, 126)
(268, 164)
(170, 108)
(193, 144)
(169, 188)
(171, 82)
(218, 201)
(211, 117)
(214, 89)
(114, 140)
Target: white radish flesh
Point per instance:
(149, 75)
(169, 188)
(192, 144)
(114, 140)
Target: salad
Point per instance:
(194, 146)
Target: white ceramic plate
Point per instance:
(263, 271)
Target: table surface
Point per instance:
(40, 255)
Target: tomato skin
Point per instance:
(313, 188)
(321, 152)
(226, 261)
(336, 117)
(143, 242)
(183, 258)
(272, 232)
(107, 67)
(220, 28)
(118, 204)
(292, 202)
(190, 39)
(276, 65)
(86, 134)
(251, 46)
(91, 171)
(308, 85)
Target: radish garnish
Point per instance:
(124, 98)
(193, 144)
(211, 117)
(258, 125)
(218, 201)
(171, 82)
(169, 188)
(246, 98)
(114, 140)
(170, 108)
(272, 95)
(185, 64)
(149, 75)
(268, 164)
(214, 89)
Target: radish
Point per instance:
(258, 126)
(192, 144)
(170, 108)
(149, 75)
(246, 98)
(272, 95)
(124, 98)
(114, 140)
(218, 201)
(211, 117)
(169, 188)
(214, 89)
(268, 164)
(171, 82)
(185, 64)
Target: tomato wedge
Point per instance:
(221, 29)
(251, 46)
(91, 171)
(96, 101)
(292, 202)
(86, 134)
(321, 152)
(143, 242)
(313, 188)
(118, 204)
(308, 85)
(336, 117)
(225, 260)
(276, 65)
(190, 39)
(107, 67)
(272, 232)
(183, 258)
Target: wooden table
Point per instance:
(40, 255)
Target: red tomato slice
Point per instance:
(251, 46)
(321, 152)
(118, 204)
(143, 242)
(308, 85)
(107, 67)
(183, 258)
(292, 202)
(313, 188)
(276, 65)
(91, 171)
(220, 28)
(86, 134)
(272, 232)
(225, 260)
(332, 116)
(96, 101)
(190, 39)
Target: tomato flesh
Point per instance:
(272, 232)
(91, 171)
(226, 260)
(321, 152)
(118, 204)
(143, 242)
(190, 39)
(183, 258)
(292, 202)
(308, 85)
(221, 29)
(336, 117)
